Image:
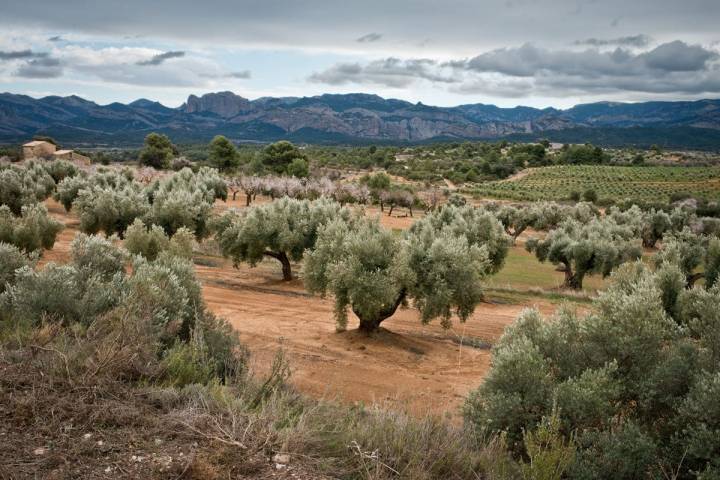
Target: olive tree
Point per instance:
(150, 241)
(110, 210)
(579, 249)
(516, 219)
(69, 188)
(690, 252)
(32, 231)
(283, 230)
(438, 265)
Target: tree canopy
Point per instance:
(438, 264)
(157, 152)
(223, 154)
(283, 230)
(578, 249)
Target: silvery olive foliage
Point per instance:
(633, 380)
(20, 186)
(283, 230)
(150, 241)
(185, 200)
(690, 251)
(438, 265)
(32, 231)
(595, 247)
(164, 292)
(11, 260)
(110, 210)
(69, 187)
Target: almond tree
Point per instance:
(397, 198)
(283, 230)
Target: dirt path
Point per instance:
(409, 365)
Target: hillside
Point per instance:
(355, 118)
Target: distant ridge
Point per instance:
(354, 118)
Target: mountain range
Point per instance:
(354, 118)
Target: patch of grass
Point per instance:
(523, 271)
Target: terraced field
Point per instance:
(610, 182)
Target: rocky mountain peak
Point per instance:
(223, 104)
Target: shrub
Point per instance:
(11, 260)
(590, 195)
(32, 231)
(636, 386)
(24, 186)
(167, 293)
(60, 169)
(151, 241)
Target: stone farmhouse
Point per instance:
(43, 149)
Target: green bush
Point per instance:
(11, 260)
(32, 231)
(151, 241)
(636, 380)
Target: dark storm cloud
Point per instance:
(390, 72)
(629, 41)
(322, 23)
(161, 57)
(369, 38)
(45, 67)
(529, 60)
(21, 55)
(670, 67)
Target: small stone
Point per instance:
(100, 443)
(281, 458)
(158, 441)
(108, 470)
(87, 435)
(40, 451)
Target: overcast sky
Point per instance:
(507, 52)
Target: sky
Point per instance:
(537, 53)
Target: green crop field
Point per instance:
(610, 182)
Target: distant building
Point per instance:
(71, 156)
(38, 148)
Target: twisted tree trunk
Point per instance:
(369, 325)
(283, 259)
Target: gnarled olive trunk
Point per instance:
(370, 324)
(572, 279)
(248, 199)
(283, 259)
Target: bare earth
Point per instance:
(410, 366)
